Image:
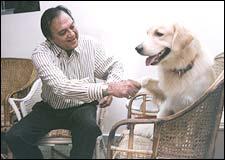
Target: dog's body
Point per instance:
(184, 70)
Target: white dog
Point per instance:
(184, 70)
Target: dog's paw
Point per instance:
(144, 81)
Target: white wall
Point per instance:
(120, 26)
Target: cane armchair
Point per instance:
(190, 133)
(17, 74)
(218, 65)
(23, 106)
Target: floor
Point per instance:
(63, 149)
(47, 151)
(48, 154)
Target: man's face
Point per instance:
(63, 32)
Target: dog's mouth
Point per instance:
(153, 60)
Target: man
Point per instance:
(68, 66)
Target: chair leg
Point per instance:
(100, 148)
(9, 153)
(96, 151)
(103, 147)
(54, 150)
(3, 156)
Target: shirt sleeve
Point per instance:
(53, 76)
(107, 67)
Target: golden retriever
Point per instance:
(184, 73)
(184, 70)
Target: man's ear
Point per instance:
(181, 38)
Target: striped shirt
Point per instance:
(71, 81)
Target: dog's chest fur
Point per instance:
(184, 90)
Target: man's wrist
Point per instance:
(105, 90)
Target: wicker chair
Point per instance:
(17, 75)
(190, 133)
(20, 87)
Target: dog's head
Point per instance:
(164, 42)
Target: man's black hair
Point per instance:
(48, 16)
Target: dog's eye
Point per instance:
(158, 34)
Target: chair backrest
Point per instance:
(218, 65)
(16, 74)
(191, 133)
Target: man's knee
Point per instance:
(17, 135)
(89, 130)
(94, 129)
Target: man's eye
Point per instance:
(62, 33)
(158, 34)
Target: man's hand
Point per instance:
(125, 88)
(106, 101)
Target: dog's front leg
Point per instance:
(151, 86)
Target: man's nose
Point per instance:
(70, 33)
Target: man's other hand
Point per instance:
(105, 101)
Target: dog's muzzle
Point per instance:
(155, 59)
(140, 49)
(164, 53)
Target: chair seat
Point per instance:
(57, 136)
(142, 147)
(64, 133)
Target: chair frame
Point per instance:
(25, 89)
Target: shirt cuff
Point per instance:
(95, 91)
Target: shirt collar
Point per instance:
(58, 51)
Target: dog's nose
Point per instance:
(139, 48)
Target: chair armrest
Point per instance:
(125, 122)
(143, 110)
(18, 104)
(22, 92)
(12, 103)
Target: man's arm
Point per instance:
(111, 70)
(82, 90)
(107, 67)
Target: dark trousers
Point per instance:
(22, 138)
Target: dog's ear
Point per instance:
(181, 38)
